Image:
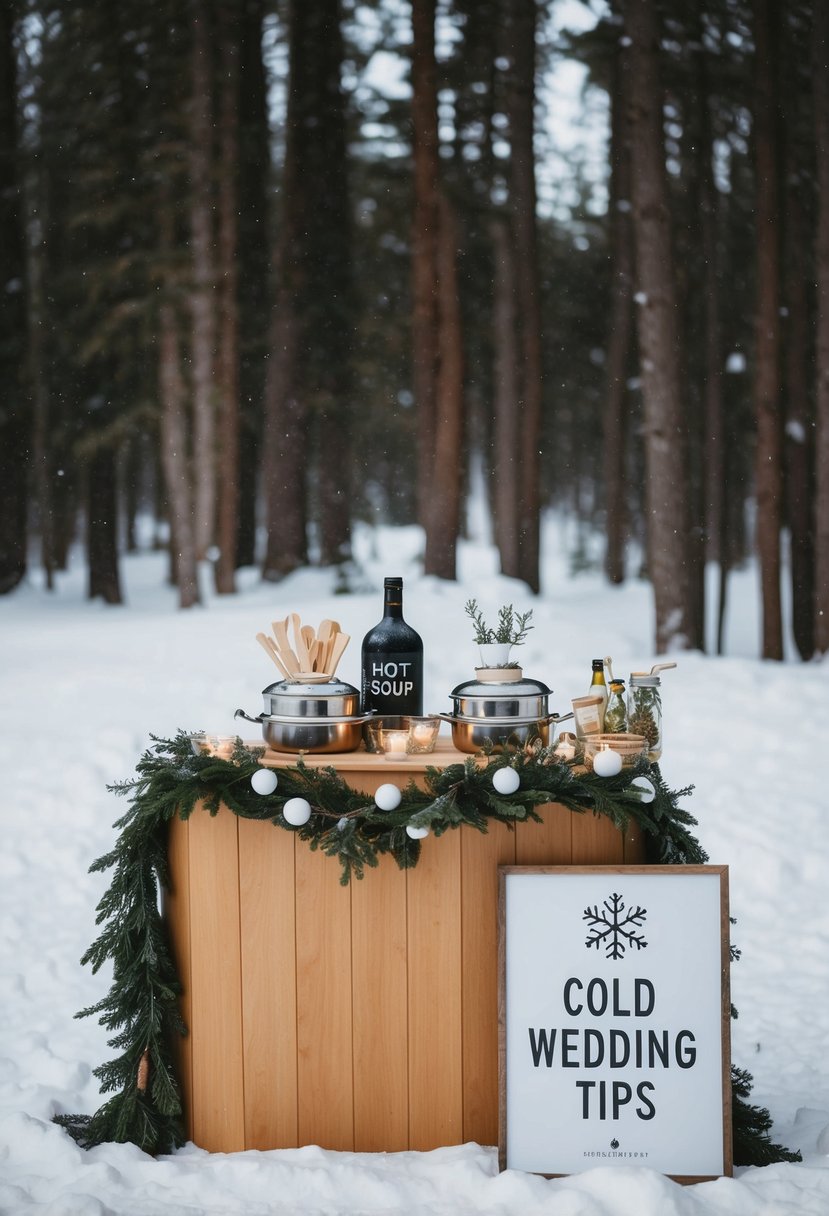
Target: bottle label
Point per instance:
(389, 676)
(391, 682)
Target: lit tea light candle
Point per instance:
(394, 744)
(422, 733)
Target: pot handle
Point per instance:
(445, 717)
(561, 717)
(240, 713)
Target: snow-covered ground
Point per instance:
(84, 685)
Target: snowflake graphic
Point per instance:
(615, 927)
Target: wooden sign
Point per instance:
(614, 1014)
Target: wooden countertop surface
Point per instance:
(443, 755)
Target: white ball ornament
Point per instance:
(264, 781)
(506, 780)
(647, 791)
(607, 763)
(388, 797)
(416, 833)
(297, 811)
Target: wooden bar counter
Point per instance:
(362, 1017)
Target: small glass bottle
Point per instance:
(645, 711)
(598, 687)
(616, 714)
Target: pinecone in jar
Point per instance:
(642, 722)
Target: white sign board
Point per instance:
(615, 1008)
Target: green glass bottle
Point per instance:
(598, 687)
(616, 714)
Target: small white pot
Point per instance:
(495, 654)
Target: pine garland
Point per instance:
(141, 1008)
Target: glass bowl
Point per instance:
(204, 744)
(630, 747)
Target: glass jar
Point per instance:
(645, 711)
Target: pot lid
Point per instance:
(288, 688)
(507, 689)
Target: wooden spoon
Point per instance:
(280, 630)
(299, 643)
(314, 654)
(339, 644)
(269, 647)
(323, 644)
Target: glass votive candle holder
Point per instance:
(375, 727)
(204, 744)
(395, 744)
(423, 734)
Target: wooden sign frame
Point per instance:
(614, 1055)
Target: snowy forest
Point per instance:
(273, 267)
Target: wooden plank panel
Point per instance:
(435, 1009)
(216, 983)
(547, 843)
(480, 857)
(634, 845)
(176, 908)
(268, 944)
(380, 1010)
(596, 841)
(324, 1023)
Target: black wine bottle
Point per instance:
(392, 660)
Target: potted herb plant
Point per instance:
(496, 642)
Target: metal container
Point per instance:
(306, 734)
(330, 699)
(524, 699)
(473, 734)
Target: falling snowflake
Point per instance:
(615, 927)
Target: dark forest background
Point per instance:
(246, 293)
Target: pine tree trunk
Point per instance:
(620, 341)
(768, 467)
(704, 404)
(330, 303)
(41, 447)
(714, 444)
(176, 466)
(203, 293)
(285, 456)
(131, 483)
(820, 77)
(444, 519)
(285, 464)
(659, 338)
(521, 106)
(254, 264)
(799, 446)
(228, 358)
(425, 222)
(15, 415)
(506, 419)
(102, 527)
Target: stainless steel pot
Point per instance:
(474, 734)
(525, 699)
(330, 699)
(305, 734)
